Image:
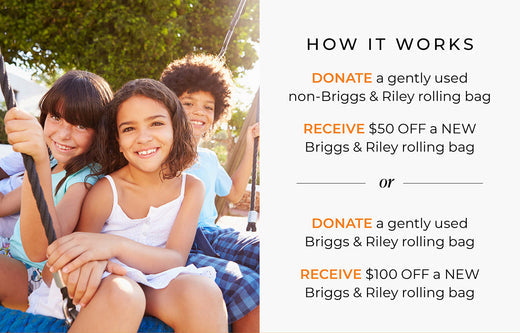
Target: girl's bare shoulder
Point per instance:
(194, 184)
(101, 192)
(96, 207)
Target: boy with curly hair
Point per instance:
(203, 84)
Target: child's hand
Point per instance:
(72, 251)
(25, 133)
(253, 132)
(83, 282)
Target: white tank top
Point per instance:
(152, 230)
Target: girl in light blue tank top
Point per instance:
(70, 113)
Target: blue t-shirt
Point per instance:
(16, 247)
(215, 179)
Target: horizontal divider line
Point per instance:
(443, 183)
(330, 183)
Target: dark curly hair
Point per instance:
(183, 151)
(80, 98)
(202, 72)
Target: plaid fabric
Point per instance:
(34, 275)
(237, 268)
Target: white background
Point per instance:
(288, 208)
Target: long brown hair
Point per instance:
(183, 151)
(80, 98)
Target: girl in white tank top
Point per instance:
(146, 210)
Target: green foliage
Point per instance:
(221, 152)
(218, 143)
(123, 39)
(237, 120)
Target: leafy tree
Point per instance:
(225, 138)
(126, 39)
(123, 39)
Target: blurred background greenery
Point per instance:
(122, 40)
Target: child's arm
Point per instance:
(83, 282)
(72, 251)
(240, 177)
(26, 135)
(10, 202)
(185, 226)
(95, 211)
(96, 207)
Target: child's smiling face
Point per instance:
(200, 109)
(145, 133)
(65, 140)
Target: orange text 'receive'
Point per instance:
(333, 128)
(330, 274)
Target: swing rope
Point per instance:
(69, 310)
(231, 29)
